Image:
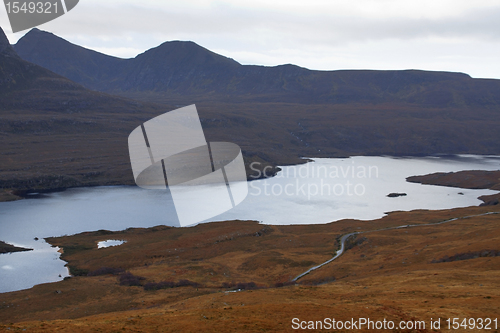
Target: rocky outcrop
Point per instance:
(395, 195)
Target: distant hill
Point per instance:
(175, 69)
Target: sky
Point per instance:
(443, 35)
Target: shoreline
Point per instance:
(10, 194)
(13, 194)
(467, 179)
(9, 248)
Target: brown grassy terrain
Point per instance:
(391, 274)
(474, 179)
(7, 195)
(8, 248)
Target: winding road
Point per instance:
(346, 236)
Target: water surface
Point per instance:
(322, 191)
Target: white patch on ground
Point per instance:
(109, 242)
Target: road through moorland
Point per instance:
(344, 238)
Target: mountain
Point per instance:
(19, 75)
(55, 133)
(76, 63)
(177, 69)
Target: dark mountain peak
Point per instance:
(290, 66)
(36, 36)
(40, 41)
(5, 47)
(36, 31)
(74, 62)
(185, 53)
(19, 76)
(292, 69)
(179, 66)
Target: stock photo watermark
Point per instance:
(29, 14)
(310, 181)
(205, 179)
(356, 324)
(170, 152)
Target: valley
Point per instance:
(58, 134)
(65, 116)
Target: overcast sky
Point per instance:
(447, 35)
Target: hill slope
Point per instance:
(55, 133)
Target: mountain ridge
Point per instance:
(177, 69)
(91, 66)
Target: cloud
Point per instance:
(339, 25)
